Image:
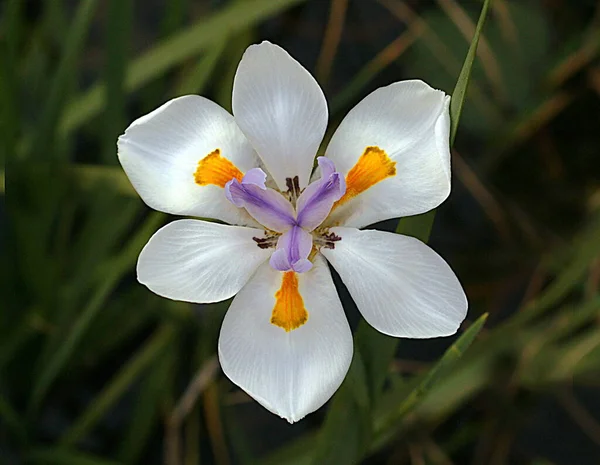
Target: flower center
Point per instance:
(291, 219)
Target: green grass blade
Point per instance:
(377, 351)
(118, 386)
(236, 46)
(418, 226)
(118, 32)
(174, 50)
(91, 177)
(460, 90)
(452, 355)
(121, 265)
(11, 419)
(11, 26)
(584, 253)
(67, 66)
(146, 411)
(56, 456)
(197, 78)
(345, 434)
(18, 336)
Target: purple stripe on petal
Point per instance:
(314, 204)
(293, 249)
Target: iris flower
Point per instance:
(285, 339)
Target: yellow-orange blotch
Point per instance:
(217, 170)
(373, 166)
(289, 312)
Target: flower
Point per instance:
(285, 339)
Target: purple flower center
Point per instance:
(274, 211)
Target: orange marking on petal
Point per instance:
(373, 166)
(289, 312)
(217, 170)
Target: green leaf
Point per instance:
(146, 411)
(236, 46)
(195, 80)
(418, 226)
(297, 452)
(10, 110)
(585, 251)
(90, 177)
(345, 435)
(119, 385)
(53, 108)
(117, 32)
(443, 366)
(460, 90)
(57, 456)
(11, 419)
(200, 36)
(119, 267)
(377, 351)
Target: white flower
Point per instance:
(285, 339)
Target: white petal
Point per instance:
(198, 261)
(290, 373)
(400, 285)
(161, 150)
(281, 109)
(410, 121)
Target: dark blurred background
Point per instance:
(96, 370)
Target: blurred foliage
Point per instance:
(95, 369)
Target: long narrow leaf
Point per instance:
(118, 386)
(11, 419)
(346, 433)
(195, 80)
(56, 456)
(118, 28)
(53, 368)
(66, 70)
(460, 90)
(452, 355)
(145, 413)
